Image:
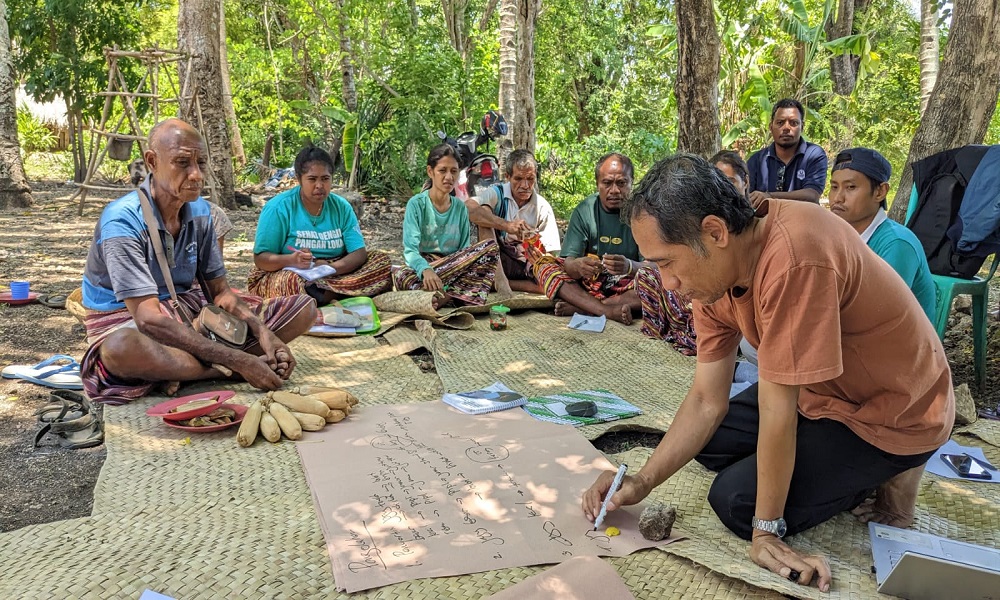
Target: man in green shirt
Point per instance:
(599, 255)
(859, 183)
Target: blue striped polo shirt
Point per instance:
(121, 262)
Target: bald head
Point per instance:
(164, 132)
(177, 159)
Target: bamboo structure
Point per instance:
(127, 127)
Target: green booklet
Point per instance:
(553, 408)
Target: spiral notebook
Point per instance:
(489, 399)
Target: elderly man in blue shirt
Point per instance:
(137, 335)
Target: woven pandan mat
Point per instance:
(538, 355)
(959, 510)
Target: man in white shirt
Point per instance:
(520, 212)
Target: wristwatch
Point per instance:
(776, 527)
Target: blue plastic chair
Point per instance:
(949, 287)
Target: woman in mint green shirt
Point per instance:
(436, 234)
(309, 227)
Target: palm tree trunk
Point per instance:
(929, 50)
(14, 189)
(508, 74)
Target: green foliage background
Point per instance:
(604, 73)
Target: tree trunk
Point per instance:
(227, 93)
(74, 119)
(961, 105)
(346, 66)
(523, 134)
(14, 190)
(455, 18)
(508, 75)
(697, 85)
(843, 71)
(929, 50)
(198, 34)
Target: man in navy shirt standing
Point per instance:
(790, 168)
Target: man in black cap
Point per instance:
(859, 183)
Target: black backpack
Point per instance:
(941, 180)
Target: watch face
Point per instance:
(782, 528)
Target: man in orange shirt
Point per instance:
(855, 391)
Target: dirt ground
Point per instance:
(47, 245)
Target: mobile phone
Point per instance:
(966, 467)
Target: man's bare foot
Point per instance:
(564, 309)
(170, 388)
(621, 313)
(894, 500)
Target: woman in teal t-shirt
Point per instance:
(436, 240)
(308, 228)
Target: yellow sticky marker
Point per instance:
(612, 531)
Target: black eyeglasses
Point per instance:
(781, 179)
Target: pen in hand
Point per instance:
(294, 250)
(615, 485)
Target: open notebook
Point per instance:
(489, 399)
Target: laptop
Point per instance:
(921, 566)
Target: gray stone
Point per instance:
(965, 406)
(656, 521)
(963, 304)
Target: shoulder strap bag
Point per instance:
(212, 322)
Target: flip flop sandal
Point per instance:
(85, 432)
(53, 300)
(49, 374)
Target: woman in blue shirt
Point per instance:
(436, 242)
(309, 226)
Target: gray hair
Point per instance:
(519, 159)
(679, 192)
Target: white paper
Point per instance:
(588, 323)
(936, 466)
(317, 272)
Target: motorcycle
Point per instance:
(477, 169)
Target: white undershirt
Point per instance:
(880, 218)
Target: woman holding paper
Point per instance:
(309, 241)
(436, 244)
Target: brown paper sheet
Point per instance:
(579, 578)
(421, 490)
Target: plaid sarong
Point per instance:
(371, 279)
(551, 275)
(466, 274)
(102, 386)
(664, 316)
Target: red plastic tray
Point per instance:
(241, 412)
(7, 298)
(162, 409)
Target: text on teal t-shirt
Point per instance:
(899, 247)
(427, 231)
(285, 222)
(593, 230)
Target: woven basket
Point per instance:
(74, 304)
(120, 148)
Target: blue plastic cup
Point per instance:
(19, 290)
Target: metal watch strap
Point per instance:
(775, 527)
